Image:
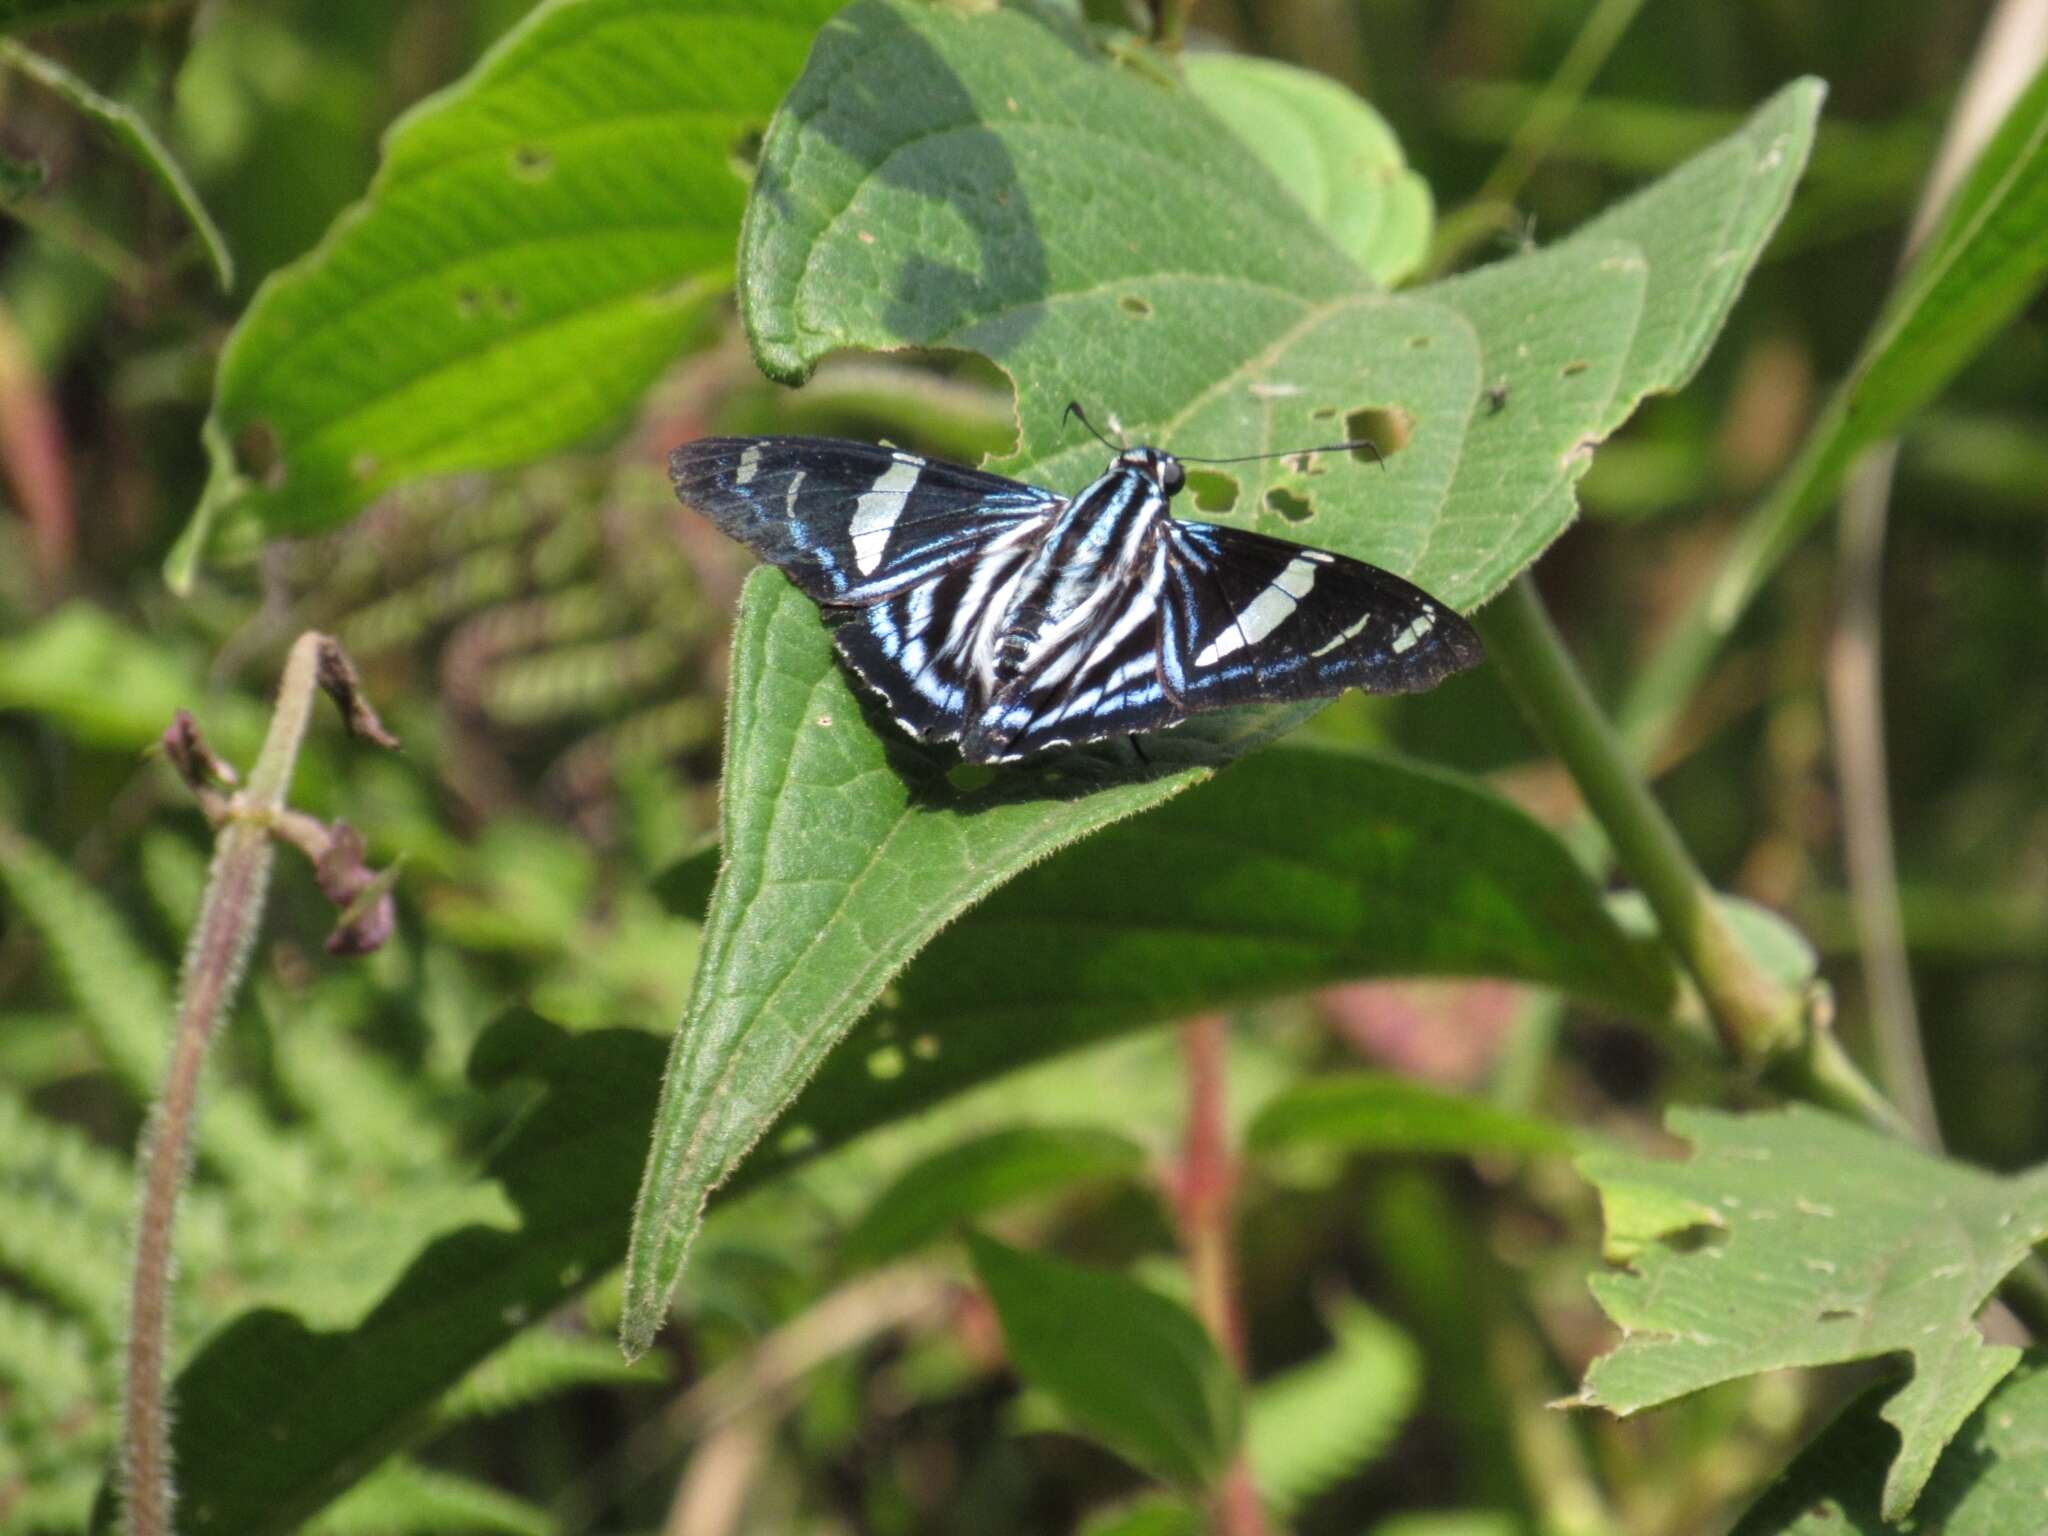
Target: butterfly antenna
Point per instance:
(1363, 444)
(1074, 410)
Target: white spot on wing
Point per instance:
(1350, 634)
(750, 462)
(1410, 637)
(875, 514)
(1264, 613)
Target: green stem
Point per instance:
(1558, 100)
(1762, 1023)
(1759, 1019)
(229, 916)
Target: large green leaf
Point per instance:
(1123, 1362)
(534, 249)
(1988, 1484)
(1413, 871)
(943, 177)
(1293, 872)
(1823, 1242)
(843, 855)
(1376, 1112)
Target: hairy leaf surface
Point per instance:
(1797, 1238)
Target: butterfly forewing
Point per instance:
(849, 522)
(1253, 619)
(1013, 621)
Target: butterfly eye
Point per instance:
(1171, 476)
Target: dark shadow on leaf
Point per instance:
(930, 143)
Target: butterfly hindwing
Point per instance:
(849, 522)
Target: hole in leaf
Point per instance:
(886, 1063)
(1696, 1239)
(1211, 491)
(744, 153)
(1131, 304)
(1580, 366)
(1296, 509)
(1387, 428)
(259, 455)
(530, 162)
(925, 1047)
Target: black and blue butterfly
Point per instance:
(1013, 620)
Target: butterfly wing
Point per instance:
(1250, 619)
(1228, 618)
(850, 523)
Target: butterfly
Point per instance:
(1012, 620)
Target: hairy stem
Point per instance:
(229, 915)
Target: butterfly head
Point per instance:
(1156, 465)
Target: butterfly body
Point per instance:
(1012, 620)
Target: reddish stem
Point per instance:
(1204, 1189)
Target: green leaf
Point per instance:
(328, 1406)
(1370, 1111)
(535, 248)
(1332, 152)
(108, 685)
(932, 1197)
(541, 1362)
(403, 1496)
(1294, 870)
(1123, 1362)
(1796, 1238)
(910, 194)
(1988, 1484)
(932, 181)
(820, 818)
(1309, 1428)
(132, 133)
